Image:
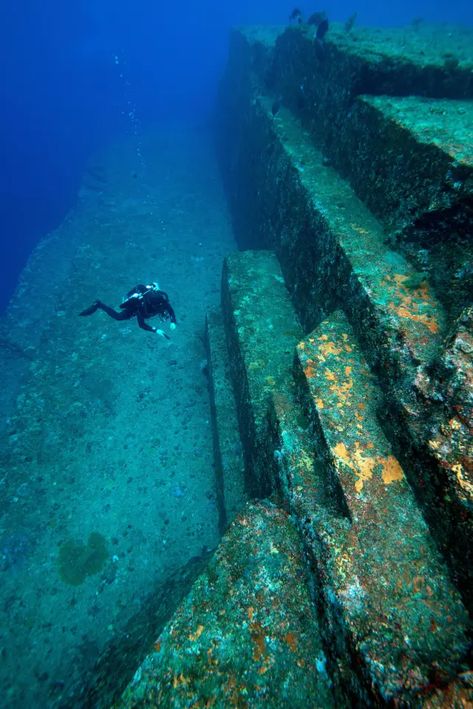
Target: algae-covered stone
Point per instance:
(262, 331)
(320, 85)
(385, 565)
(411, 161)
(247, 634)
(228, 453)
(333, 253)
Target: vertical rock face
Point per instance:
(228, 453)
(262, 331)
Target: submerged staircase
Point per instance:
(341, 382)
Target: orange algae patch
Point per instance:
(197, 634)
(363, 465)
(319, 403)
(331, 376)
(309, 371)
(429, 322)
(392, 471)
(329, 348)
(342, 390)
(291, 640)
(259, 641)
(177, 680)
(410, 302)
(463, 481)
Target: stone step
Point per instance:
(319, 81)
(262, 331)
(408, 157)
(228, 454)
(333, 253)
(247, 633)
(410, 160)
(389, 602)
(332, 249)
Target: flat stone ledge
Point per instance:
(262, 331)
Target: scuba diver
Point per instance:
(142, 301)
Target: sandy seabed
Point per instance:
(107, 427)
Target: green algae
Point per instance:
(76, 560)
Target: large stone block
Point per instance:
(389, 601)
(319, 81)
(262, 331)
(410, 160)
(247, 634)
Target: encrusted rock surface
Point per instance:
(262, 331)
(247, 635)
(335, 252)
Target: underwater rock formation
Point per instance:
(349, 336)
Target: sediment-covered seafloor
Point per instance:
(341, 359)
(107, 488)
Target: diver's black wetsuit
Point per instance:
(142, 301)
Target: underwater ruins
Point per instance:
(272, 506)
(341, 358)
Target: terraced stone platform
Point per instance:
(364, 191)
(410, 159)
(388, 602)
(247, 634)
(349, 337)
(319, 81)
(335, 252)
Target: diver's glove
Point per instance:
(172, 326)
(162, 333)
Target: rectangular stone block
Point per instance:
(410, 160)
(388, 598)
(320, 81)
(262, 331)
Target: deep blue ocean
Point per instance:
(63, 95)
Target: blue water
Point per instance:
(62, 96)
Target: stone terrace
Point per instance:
(348, 328)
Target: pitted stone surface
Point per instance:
(247, 634)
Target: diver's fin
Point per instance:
(91, 309)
